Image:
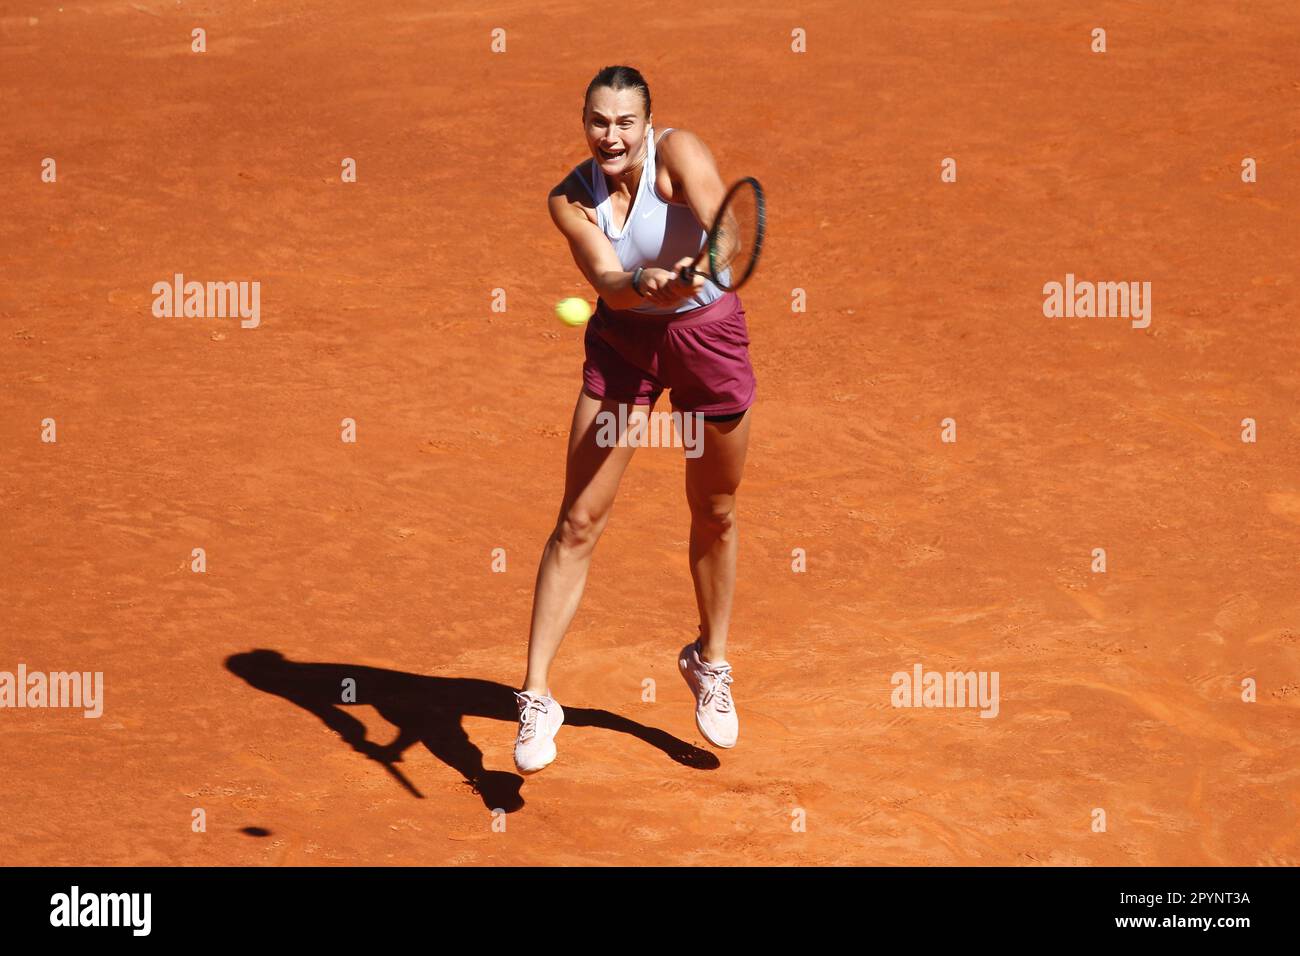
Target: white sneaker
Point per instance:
(540, 718)
(715, 711)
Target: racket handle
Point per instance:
(686, 274)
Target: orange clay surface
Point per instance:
(1118, 691)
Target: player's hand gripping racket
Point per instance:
(734, 241)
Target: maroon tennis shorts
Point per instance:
(701, 356)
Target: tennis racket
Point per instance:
(735, 239)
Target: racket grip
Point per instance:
(686, 274)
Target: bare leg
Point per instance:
(711, 483)
(591, 481)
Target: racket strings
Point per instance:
(736, 238)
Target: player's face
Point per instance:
(616, 124)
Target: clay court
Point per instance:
(1120, 691)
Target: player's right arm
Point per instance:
(596, 258)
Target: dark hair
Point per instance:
(619, 78)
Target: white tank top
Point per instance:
(655, 233)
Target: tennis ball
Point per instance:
(573, 311)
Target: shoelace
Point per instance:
(530, 706)
(716, 679)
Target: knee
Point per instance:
(578, 529)
(716, 514)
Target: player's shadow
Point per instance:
(428, 710)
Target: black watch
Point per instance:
(636, 277)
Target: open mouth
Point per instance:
(607, 155)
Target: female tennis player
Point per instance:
(634, 215)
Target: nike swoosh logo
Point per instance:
(647, 214)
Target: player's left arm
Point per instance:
(694, 180)
(694, 175)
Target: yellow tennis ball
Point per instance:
(573, 311)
